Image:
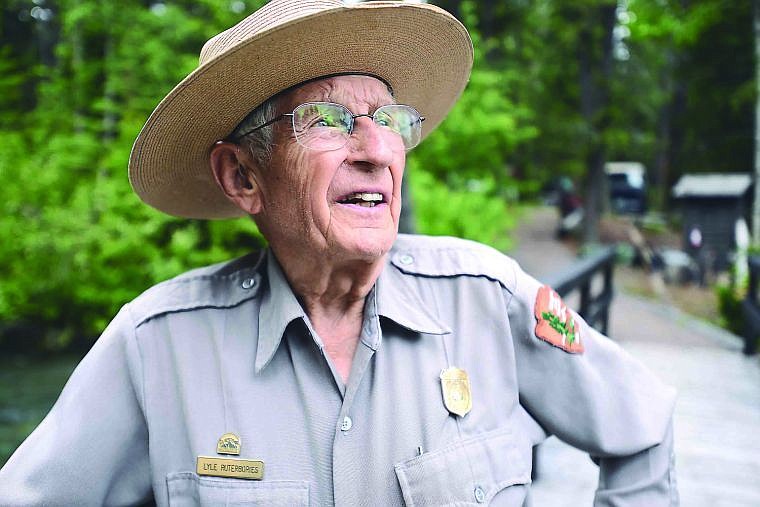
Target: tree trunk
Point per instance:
(78, 77)
(595, 70)
(110, 119)
(756, 203)
(406, 221)
(662, 160)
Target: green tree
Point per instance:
(77, 242)
(558, 87)
(688, 80)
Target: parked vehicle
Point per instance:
(627, 187)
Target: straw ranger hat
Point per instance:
(423, 52)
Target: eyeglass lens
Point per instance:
(327, 126)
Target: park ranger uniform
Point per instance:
(213, 388)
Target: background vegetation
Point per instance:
(558, 88)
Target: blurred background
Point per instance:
(626, 123)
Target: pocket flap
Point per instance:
(471, 471)
(189, 489)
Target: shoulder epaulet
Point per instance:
(220, 285)
(441, 256)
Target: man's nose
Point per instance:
(372, 144)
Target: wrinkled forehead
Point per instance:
(354, 91)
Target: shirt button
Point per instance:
(480, 495)
(248, 283)
(406, 259)
(346, 424)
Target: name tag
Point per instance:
(230, 467)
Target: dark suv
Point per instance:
(627, 186)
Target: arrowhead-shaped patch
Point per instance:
(555, 323)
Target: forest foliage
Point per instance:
(558, 87)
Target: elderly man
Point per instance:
(343, 365)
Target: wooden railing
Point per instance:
(751, 308)
(594, 307)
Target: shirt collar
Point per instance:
(279, 307)
(400, 301)
(392, 297)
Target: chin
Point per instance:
(369, 248)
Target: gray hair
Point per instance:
(259, 142)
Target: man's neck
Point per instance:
(333, 298)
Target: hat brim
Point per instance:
(423, 52)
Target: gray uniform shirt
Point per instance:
(229, 349)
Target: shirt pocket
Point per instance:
(189, 489)
(469, 472)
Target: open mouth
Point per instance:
(365, 199)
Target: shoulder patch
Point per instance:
(555, 322)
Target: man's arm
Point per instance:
(92, 448)
(645, 478)
(593, 395)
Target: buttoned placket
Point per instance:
(350, 427)
(349, 441)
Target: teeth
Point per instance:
(366, 196)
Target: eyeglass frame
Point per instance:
(350, 130)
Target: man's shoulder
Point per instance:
(221, 285)
(444, 256)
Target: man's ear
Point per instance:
(237, 182)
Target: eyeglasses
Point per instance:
(326, 126)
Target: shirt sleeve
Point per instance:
(92, 448)
(645, 478)
(596, 397)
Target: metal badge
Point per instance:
(229, 443)
(230, 467)
(455, 385)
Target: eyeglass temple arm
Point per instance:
(254, 129)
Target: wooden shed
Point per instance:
(712, 203)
